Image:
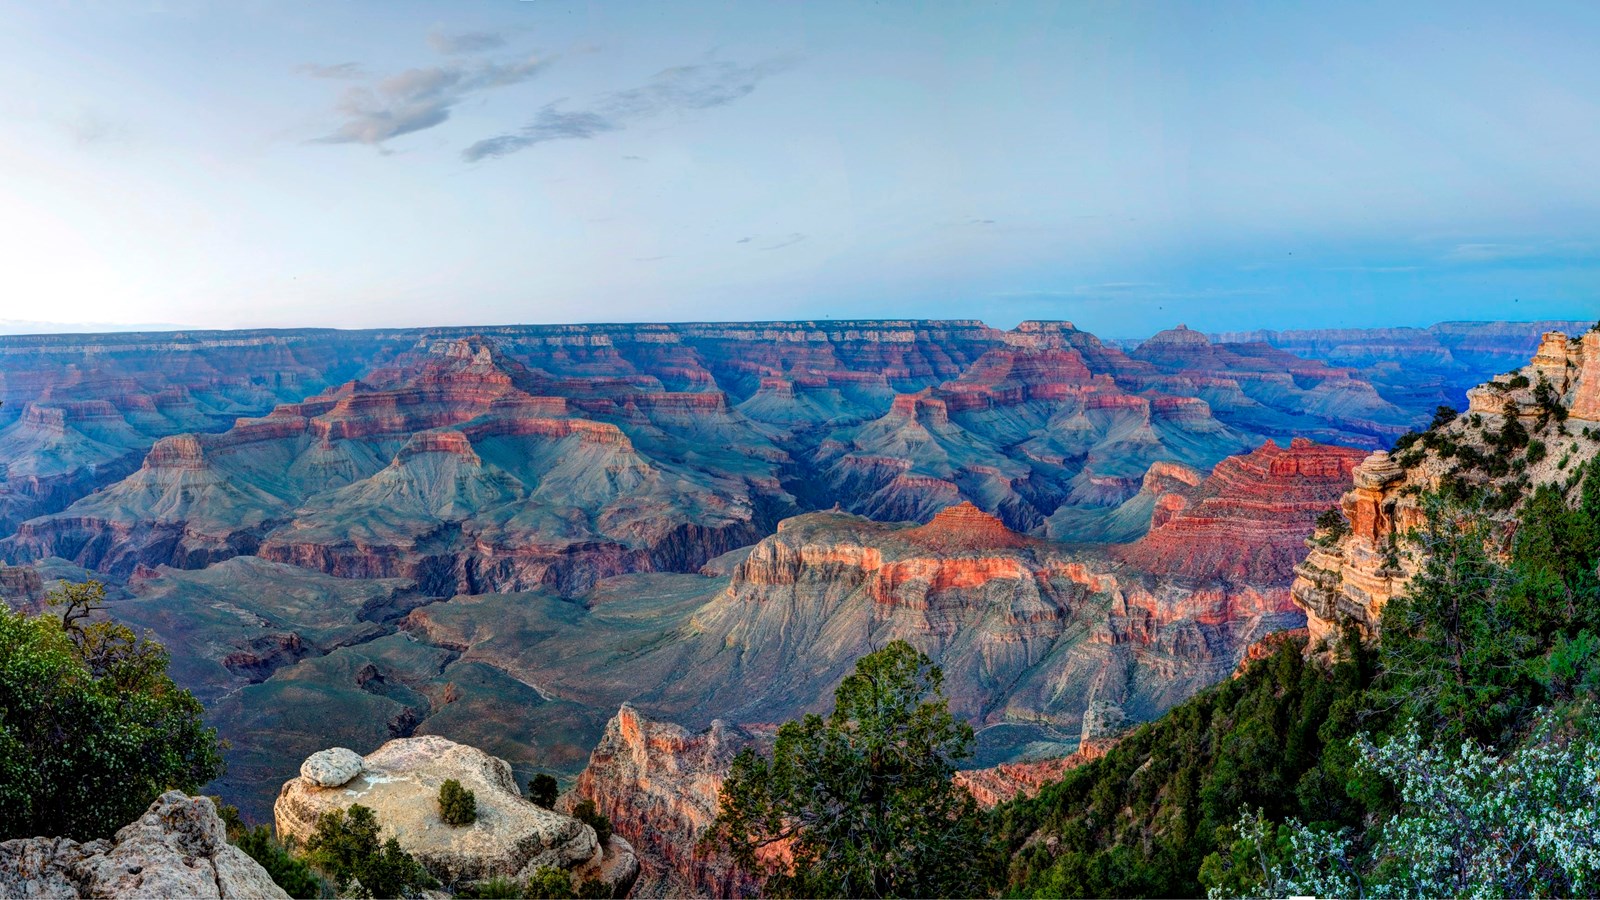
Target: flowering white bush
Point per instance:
(1472, 825)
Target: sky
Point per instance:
(1126, 166)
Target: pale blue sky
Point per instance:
(1126, 166)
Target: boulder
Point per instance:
(511, 837)
(331, 768)
(178, 848)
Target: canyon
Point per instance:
(621, 553)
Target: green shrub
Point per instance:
(92, 729)
(586, 813)
(346, 846)
(1331, 526)
(457, 805)
(542, 790)
(288, 871)
(1536, 451)
(549, 883)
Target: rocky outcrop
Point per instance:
(1249, 518)
(20, 586)
(400, 782)
(659, 784)
(1347, 578)
(178, 848)
(1008, 781)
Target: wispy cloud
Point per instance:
(466, 42)
(1480, 253)
(346, 71)
(89, 126)
(785, 242)
(418, 99)
(681, 88)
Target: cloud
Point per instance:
(466, 42)
(678, 89)
(795, 238)
(1486, 252)
(347, 71)
(418, 99)
(90, 127)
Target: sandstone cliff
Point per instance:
(659, 783)
(1553, 404)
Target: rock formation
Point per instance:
(1346, 579)
(659, 783)
(1008, 781)
(20, 586)
(400, 782)
(1249, 519)
(178, 848)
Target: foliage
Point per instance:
(1140, 820)
(457, 805)
(1331, 527)
(92, 729)
(346, 846)
(1471, 825)
(1442, 416)
(542, 790)
(287, 870)
(1467, 650)
(549, 883)
(1549, 402)
(586, 813)
(862, 800)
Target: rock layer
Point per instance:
(178, 848)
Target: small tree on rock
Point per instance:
(588, 814)
(542, 790)
(457, 805)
